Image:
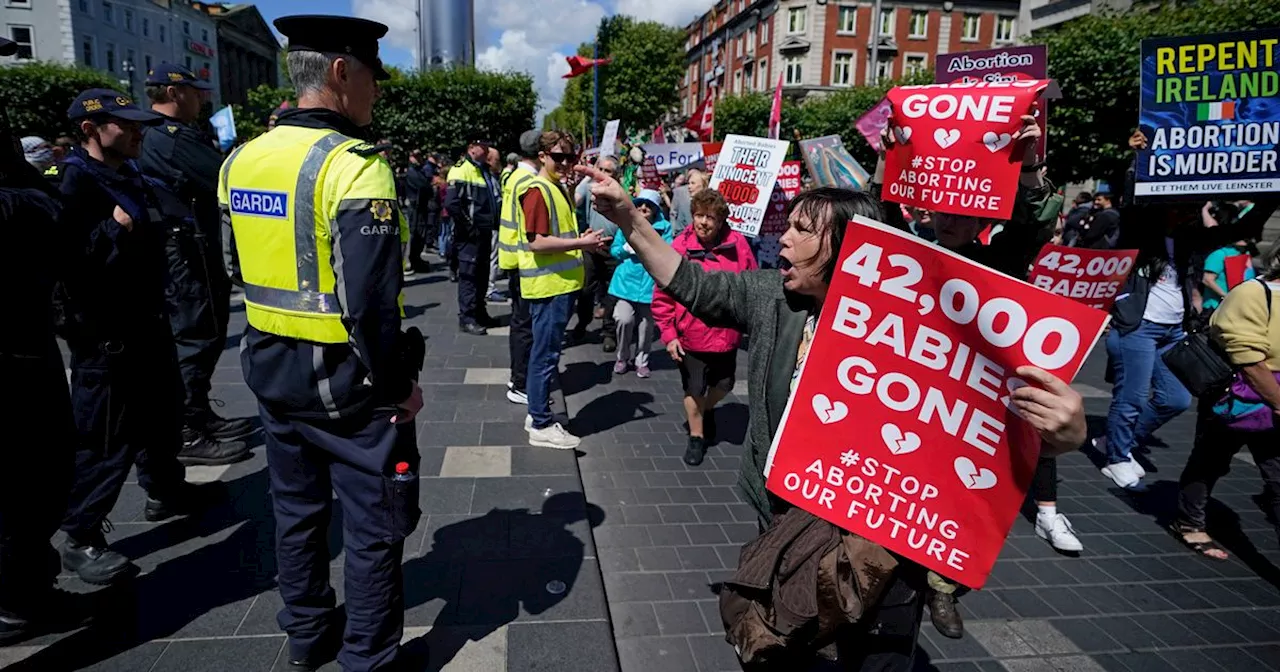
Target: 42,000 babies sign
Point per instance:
(901, 428)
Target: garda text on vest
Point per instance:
(260, 203)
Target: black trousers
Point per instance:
(124, 397)
(520, 340)
(30, 515)
(595, 291)
(1211, 454)
(418, 237)
(431, 227)
(199, 324)
(1044, 485)
(473, 274)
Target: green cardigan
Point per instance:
(753, 302)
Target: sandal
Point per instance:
(1207, 548)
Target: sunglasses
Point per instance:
(563, 157)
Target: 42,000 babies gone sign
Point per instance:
(901, 428)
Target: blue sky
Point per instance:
(532, 36)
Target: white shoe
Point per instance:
(555, 436)
(1058, 532)
(516, 396)
(1137, 468)
(1125, 476)
(528, 423)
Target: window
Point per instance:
(737, 82)
(26, 46)
(1005, 28)
(886, 22)
(160, 30)
(842, 68)
(914, 64)
(847, 23)
(749, 75)
(131, 58)
(128, 20)
(146, 27)
(22, 4)
(207, 71)
(86, 52)
(187, 62)
(970, 31)
(795, 19)
(764, 33)
(884, 69)
(186, 28)
(762, 74)
(204, 35)
(111, 57)
(84, 6)
(919, 25)
(146, 62)
(108, 12)
(794, 70)
(751, 39)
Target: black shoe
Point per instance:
(696, 452)
(709, 426)
(945, 615)
(199, 448)
(488, 322)
(56, 611)
(223, 429)
(453, 276)
(325, 650)
(185, 500)
(610, 343)
(473, 329)
(94, 562)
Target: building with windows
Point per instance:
(248, 52)
(819, 46)
(1037, 14)
(123, 38)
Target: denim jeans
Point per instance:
(1146, 394)
(550, 316)
(445, 243)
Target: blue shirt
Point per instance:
(1216, 263)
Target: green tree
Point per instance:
(37, 95)
(1096, 60)
(443, 109)
(251, 118)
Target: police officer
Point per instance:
(185, 160)
(472, 202)
(124, 374)
(319, 234)
(29, 356)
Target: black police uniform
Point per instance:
(335, 434)
(474, 210)
(420, 192)
(185, 160)
(125, 385)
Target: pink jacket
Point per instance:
(733, 255)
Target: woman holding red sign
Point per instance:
(780, 310)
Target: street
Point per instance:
(535, 559)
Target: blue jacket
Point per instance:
(630, 281)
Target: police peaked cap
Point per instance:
(336, 35)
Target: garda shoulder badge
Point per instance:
(365, 150)
(381, 209)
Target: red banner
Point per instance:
(775, 217)
(1091, 277)
(900, 428)
(711, 154)
(954, 150)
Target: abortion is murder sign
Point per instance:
(1210, 108)
(900, 428)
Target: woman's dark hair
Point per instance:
(828, 211)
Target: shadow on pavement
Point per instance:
(411, 312)
(583, 376)
(483, 573)
(612, 410)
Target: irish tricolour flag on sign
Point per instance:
(1215, 111)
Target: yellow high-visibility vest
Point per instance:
(511, 233)
(545, 275)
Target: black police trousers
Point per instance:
(125, 399)
(308, 461)
(598, 274)
(472, 248)
(199, 323)
(35, 475)
(520, 340)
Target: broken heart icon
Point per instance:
(904, 133)
(829, 411)
(972, 477)
(898, 442)
(946, 137)
(996, 142)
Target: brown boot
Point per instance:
(945, 615)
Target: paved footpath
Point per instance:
(535, 559)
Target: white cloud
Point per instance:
(671, 12)
(532, 36)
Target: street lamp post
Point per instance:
(875, 43)
(127, 68)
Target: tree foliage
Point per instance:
(638, 87)
(37, 95)
(251, 118)
(1096, 60)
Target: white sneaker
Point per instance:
(554, 436)
(528, 423)
(1124, 475)
(1058, 532)
(516, 396)
(1137, 468)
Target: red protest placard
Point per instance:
(711, 154)
(899, 428)
(775, 217)
(955, 151)
(1092, 277)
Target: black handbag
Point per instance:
(1200, 364)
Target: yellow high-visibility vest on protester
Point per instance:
(544, 275)
(281, 191)
(511, 234)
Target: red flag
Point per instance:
(703, 120)
(659, 135)
(775, 113)
(580, 65)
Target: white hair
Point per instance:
(309, 70)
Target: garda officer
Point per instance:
(472, 202)
(124, 374)
(185, 160)
(318, 232)
(29, 355)
(510, 239)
